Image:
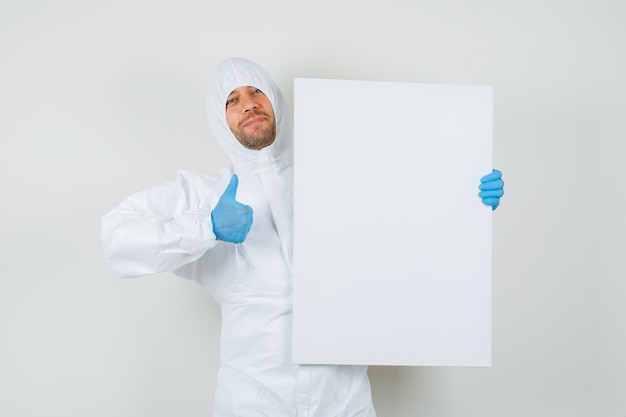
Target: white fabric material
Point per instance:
(168, 228)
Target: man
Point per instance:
(199, 227)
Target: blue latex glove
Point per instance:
(231, 219)
(492, 188)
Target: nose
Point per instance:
(249, 103)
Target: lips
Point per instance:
(254, 120)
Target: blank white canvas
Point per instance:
(392, 246)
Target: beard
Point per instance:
(257, 138)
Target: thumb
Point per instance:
(231, 189)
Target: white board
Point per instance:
(392, 246)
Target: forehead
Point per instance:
(243, 89)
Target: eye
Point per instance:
(257, 91)
(230, 101)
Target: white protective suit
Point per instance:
(168, 228)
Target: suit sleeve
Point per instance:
(161, 228)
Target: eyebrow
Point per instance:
(235, 92)
(243, 86)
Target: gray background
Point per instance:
(101, 99)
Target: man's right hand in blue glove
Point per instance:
(231, 219)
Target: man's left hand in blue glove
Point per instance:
(491, 189)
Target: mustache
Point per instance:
(254, 114)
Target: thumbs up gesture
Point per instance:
(231, 219)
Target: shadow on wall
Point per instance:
(394, 385)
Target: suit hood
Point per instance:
(233, 73)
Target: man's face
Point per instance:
(250, 116)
